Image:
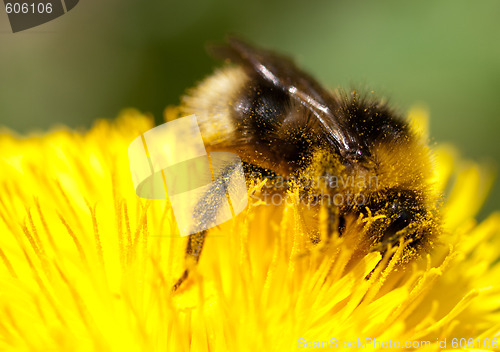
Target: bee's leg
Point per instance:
(193, 252)
(336, 222)
(207, 208)
(320, 219)
(206, 212)
(333, 221)
(180, 280)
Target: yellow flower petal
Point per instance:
(86, 265)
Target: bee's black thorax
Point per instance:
(286, 134)
(372, 120)
(272, 123)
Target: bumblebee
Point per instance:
(342, 145)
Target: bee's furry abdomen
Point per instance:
(212, 101)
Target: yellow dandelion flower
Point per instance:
(86, 265)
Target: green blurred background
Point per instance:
(104, 56)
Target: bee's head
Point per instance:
(397, 214)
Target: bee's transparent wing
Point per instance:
(281, 72)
